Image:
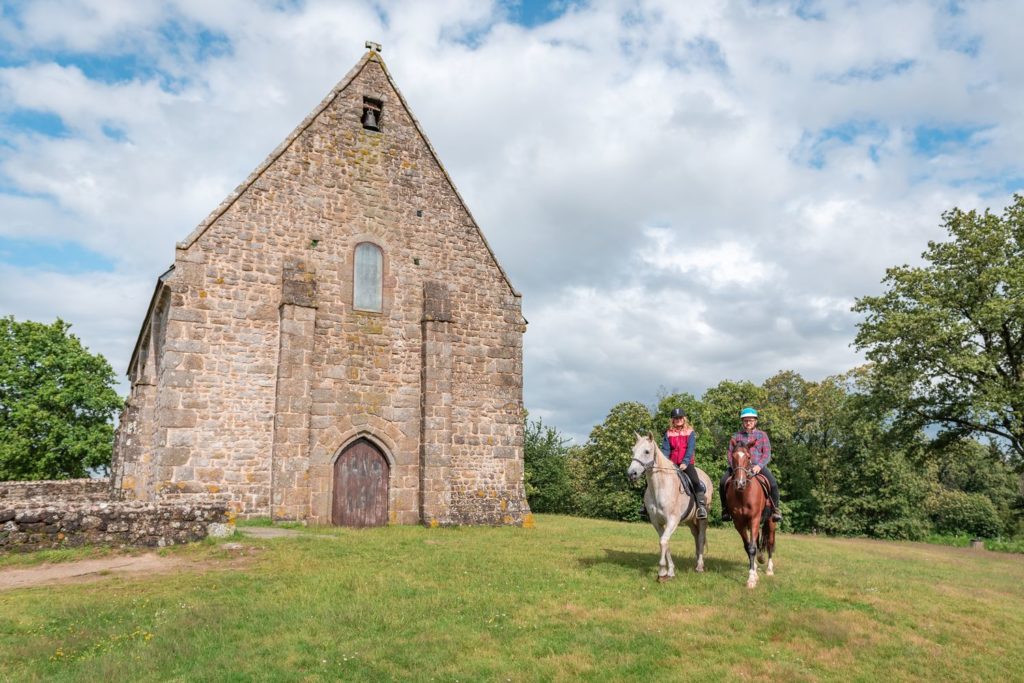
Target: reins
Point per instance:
(649, 467)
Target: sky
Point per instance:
(683, 192)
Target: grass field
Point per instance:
(570, 599)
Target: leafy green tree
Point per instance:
(785, 398)
(57, 403)
(870, 481)
(599, 468)
(947, 338)
(969, 467)
(722, 404)
(546, 471)
(958, 512)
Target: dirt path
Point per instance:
(88, 570)
(85, 571)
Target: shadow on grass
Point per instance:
(644, 562)
(641, 562)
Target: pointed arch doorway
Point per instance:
(361, 475)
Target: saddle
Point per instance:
(765, 486)
(684, 481)
(687, 486)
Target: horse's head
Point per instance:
(741, 460)
(644, 451)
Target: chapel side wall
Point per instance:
(136, 451)
(216, 375)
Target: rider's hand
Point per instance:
(682, 465)
(757, 469)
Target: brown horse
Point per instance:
(747, 502)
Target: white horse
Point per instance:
(667, 503)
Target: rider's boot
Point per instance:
(726, 517)
(702, 505)
(776, 510)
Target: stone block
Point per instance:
(178, 418)
(171, 457)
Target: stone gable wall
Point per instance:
(267, 372)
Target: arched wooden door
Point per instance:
(360, 486)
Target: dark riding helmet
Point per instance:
(677, 412)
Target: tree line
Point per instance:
(927, 437)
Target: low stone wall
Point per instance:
(27, 526)
(64, 490)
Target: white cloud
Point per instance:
(729, 264)
(684, 192)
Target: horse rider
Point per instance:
(679, 444)
(760, 456)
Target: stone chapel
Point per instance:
(336, 342)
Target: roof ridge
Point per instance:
(274, 155)
(451, 183)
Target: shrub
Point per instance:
(953, 512)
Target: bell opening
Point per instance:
(372, 110)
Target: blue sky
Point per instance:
(622, 157)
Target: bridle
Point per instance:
(749, 471)
(649, 466)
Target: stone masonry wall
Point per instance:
(65, 490)
(33, 527)
(268, 372)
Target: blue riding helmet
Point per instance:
(748, 412)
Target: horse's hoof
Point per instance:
(663, 579)
(751, 584)
(699, 570)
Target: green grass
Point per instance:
(570, 599)
(267, 522)
(29, 559)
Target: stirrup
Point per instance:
(702, 512)
(726, 517)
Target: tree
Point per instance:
(870, 480)
(974, 469)
(947, 338)
(599, 468)
(546, 473)
(57, 403)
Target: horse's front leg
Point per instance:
(659, 527)
(667, 568)
(750, 539)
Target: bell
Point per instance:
(369, 119)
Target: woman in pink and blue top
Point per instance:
(760, 456)
(679, 444)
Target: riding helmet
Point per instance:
(677, 412)
(748, 412)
